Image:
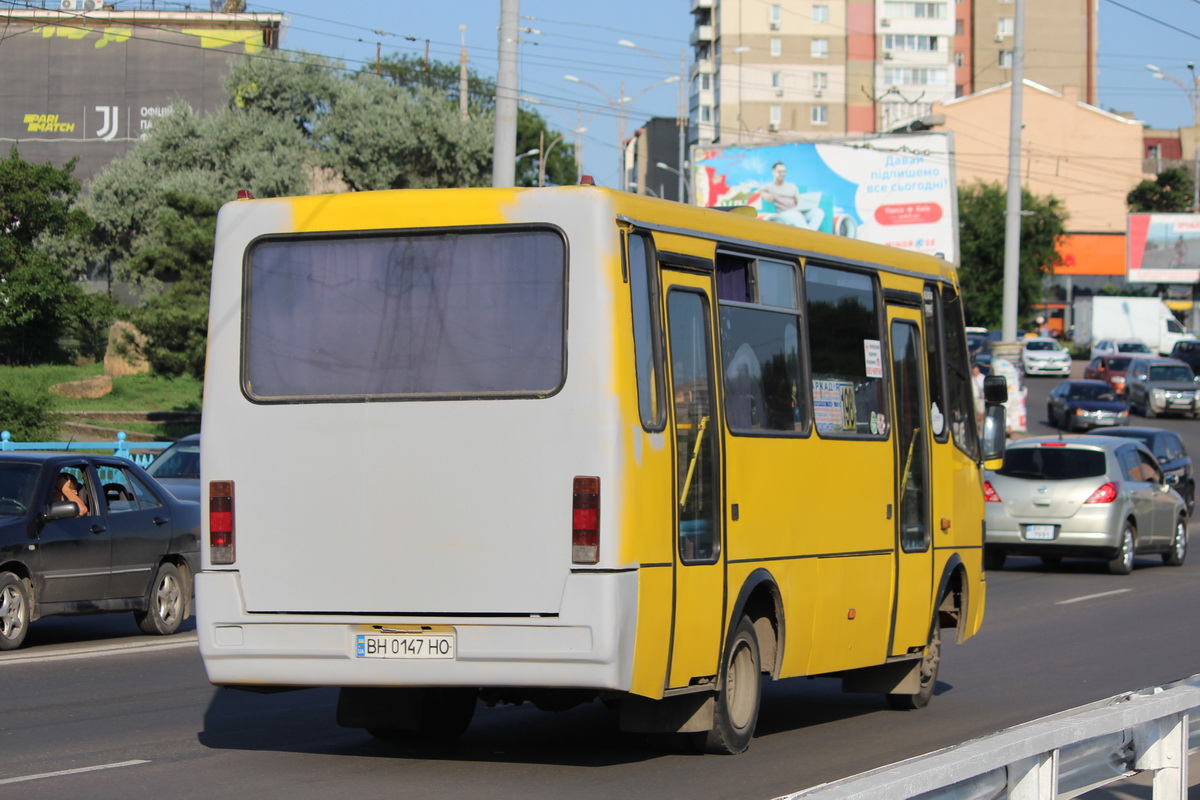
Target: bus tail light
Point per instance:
(585, 521)
(220, 522)
(1105, 494)
(989, 493)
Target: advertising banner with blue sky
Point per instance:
(894, 190)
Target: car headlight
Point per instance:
(1123, 413)
(1118, 380)
(1158, 395)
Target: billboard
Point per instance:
(1163, 248)
(90, 89)
(896, 190)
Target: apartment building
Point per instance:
(768, 71)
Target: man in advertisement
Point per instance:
(801, 210)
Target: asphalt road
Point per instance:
(93, 709)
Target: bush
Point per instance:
(28, 417)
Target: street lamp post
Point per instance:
(619, 103)
(683, 180)
(1193, 93)
(681, 117)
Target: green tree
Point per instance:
(40, 302)
(1170, 191)
(29, 418)
(981, 215)
(533, 132)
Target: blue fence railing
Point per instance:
(120, 447)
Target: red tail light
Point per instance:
(1105, 494)
(220, 522)
(989, 493)
(585, 521)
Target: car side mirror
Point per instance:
(992, 440)
(1171, 480)
(995, 390)
(61, 509)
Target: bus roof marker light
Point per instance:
(587, 180)
(245, 194)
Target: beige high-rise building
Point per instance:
(802, 69)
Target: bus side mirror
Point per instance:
(992, 439)
(995, 390)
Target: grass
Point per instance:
(131, 393)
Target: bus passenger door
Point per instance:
(699, 601)
(914, 552)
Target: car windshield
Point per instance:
(17, 482)
(1086, 391)
(177, 461)
(1119, 364)
(1052, 463)
(1043, 346)
(1170, 372)
(1132, 347)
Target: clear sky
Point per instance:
(579, 38)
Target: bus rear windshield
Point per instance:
(460, 314)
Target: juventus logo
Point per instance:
(108, 130)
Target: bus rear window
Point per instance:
(454, 315)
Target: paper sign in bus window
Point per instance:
(833, 405)
(873, 352)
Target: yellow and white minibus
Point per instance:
(566, 444)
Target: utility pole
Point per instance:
(1012, 215)
(504, 143)
(462, 75)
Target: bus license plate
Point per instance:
(1039, 532)
(404, 645)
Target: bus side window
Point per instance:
(647, 331)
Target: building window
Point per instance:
(958, 27)
(1006, 59)
(705, 82)
(1154, 151)
(776, 80)
(776, 116)
(910, 10)
(1005, 26)
(820, 80)
(915, 76)
(960, 90)
(911, 41)
(820, 115)
(776, 47)
(820, 13)
(776, 16)
(706, 113)
(960, 59)
(820, 48)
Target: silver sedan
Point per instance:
(1083, 496)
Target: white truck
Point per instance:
(1146, 319)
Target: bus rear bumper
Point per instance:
(590, 644)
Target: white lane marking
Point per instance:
(72, 771)
(1091, 597)
(94, 651)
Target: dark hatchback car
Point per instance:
(1188, 352)
(1082, 405)
(178, 468)
(130, 546)
(1167, 447)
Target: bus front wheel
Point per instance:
(931, 659)
(738, 697)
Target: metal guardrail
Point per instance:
(120, 447)
(1053, 758)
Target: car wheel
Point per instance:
(14, 611)
(931, 659)
(1050, 417)
(1147, 409)
(166, 604)
(1122, 564)
(994, 559)
(1174, 557)
(738, 698)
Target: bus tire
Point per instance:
(166, 603)
(14, 611)
(931, 659)
(739, 695)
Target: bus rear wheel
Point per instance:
(931, 659)
(738, 697)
